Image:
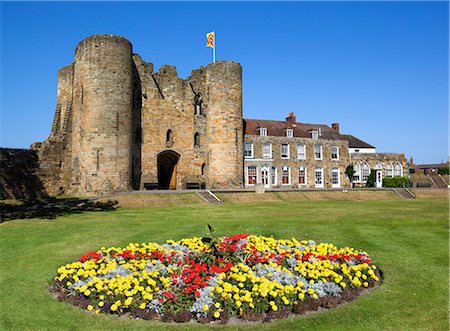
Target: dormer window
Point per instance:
(289, 133)
(263, 132)
(314, 134)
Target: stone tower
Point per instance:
(224, 124)
(102, 115)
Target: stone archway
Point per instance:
(167, 170)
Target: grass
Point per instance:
(408, 239)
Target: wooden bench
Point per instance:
(423, 185)
(195, 186)
(151, 186)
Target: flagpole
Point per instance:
(214, 48)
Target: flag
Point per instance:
(210, 39)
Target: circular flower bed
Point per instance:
(242, 276)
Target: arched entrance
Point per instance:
(167, 170)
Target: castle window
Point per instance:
(314, 134)
(286, 175)
(334, 153)
(203, 169)
(262, 132)
(285, 151)
(274, 175)
(301, 176)
(335, 177)
(267, 151)
(318, 152)
(319, 177)
(301, 152)
(198, 109)
(248, 150)
(251, 175)
(389, 170)
(169, 136)
(365, 172)
(289, 133)
(397, 170)
(196, 140)
(356, 176)
(198, 100)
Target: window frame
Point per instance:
(338, 171)
(322, 184)
(337, 152)
(314, 134)
(262, 132)
(391, 168)
(365, 178)
(321, 152)
(357, 172)
(305, 177)
(288, 154)
(304, 152)
(273, 176)
(270, 151)
(288, 169)
(254, 178)
(395, 170)
(289, 133)
(247, 143)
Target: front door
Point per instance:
(265, 176)
(379, 179)
(167, 170)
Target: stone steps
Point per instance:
(209, 197)
(438, 181)
(404, 193)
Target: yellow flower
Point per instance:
(97, 311)
(101, 304)
(217, 305)
(343, 285)
(114, 307)
(238, 303)
(301, 296)
(275, 308)
(205, 307)
(89, 307)
(87, 292)
(217, 314)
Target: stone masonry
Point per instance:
(120, 126)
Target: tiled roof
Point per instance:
(354, 142)
(278, 129)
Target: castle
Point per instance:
(120, 126)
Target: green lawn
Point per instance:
(408, 239)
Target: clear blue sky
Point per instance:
(380, 69)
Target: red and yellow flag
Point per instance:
(210, 39)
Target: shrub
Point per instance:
(444, 170)
(395, 181)
(371, 179)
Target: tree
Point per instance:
(349, 171)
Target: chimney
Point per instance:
(335, 127)
(291, 118)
